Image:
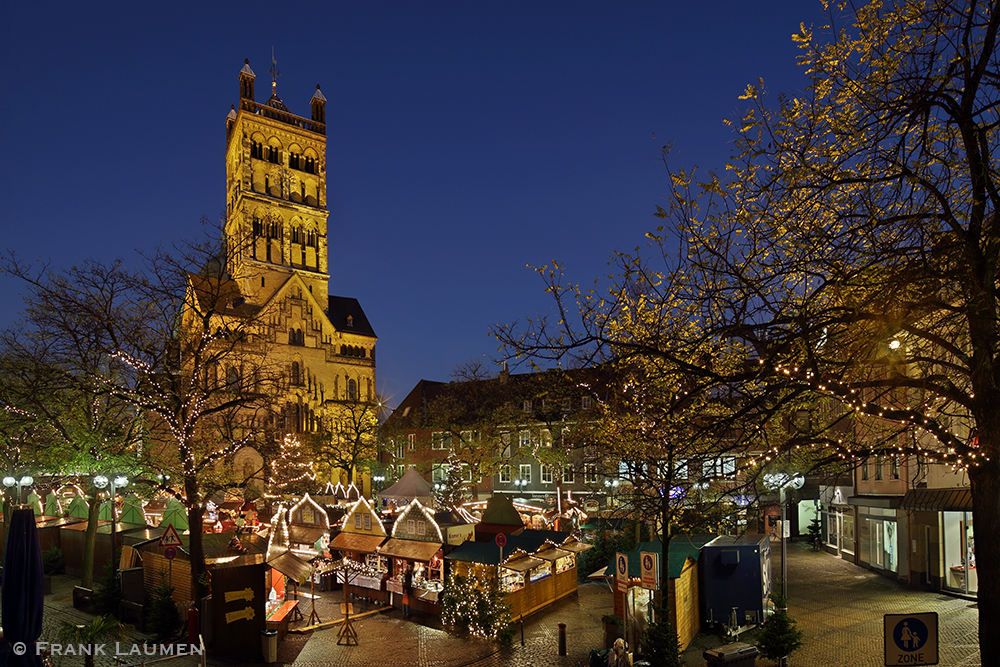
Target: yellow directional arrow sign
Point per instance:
(245, 594)
(246, 613)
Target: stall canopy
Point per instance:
(357, 542)
(938, 500)
(681, 548)
(291, 566)
(410, 486)
(410, 549)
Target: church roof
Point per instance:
(346, 315)
(275, 103)
(246, 69)
(318, 95)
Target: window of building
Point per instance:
(411, 526)
(352, 390)
(505, 474)
(894, 467)
(585, 402)
(409, 441)
(421, 527)
(524, 439)
(681, 469)
(878, 468)
(466, 473)
(526, 406)
(524, 472)
(567, 405)
(546, 474)
(589, 473)
(724, 466)
(505, 440)
(546, 439)
(864, 470)
(400, 470)
(296, 379)
(568, 475)
(439, 472)
(440, 440)
(399, 450)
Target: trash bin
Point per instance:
(737, 654)
(269, 645)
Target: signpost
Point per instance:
(501, 540)
(911, 639)
(650, 569)
(621, 572)
(170, 540)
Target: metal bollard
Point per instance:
(562, 639)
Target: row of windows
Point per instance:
(272, 154)
(296, 337)
(879, 465)
(565, 404)
(547, 474)
(353, 351)
(304, 237)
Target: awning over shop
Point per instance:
(551, 554)
(938, 500)
(410, 549)
(576, 547)
(357, 542)
(292, 567)
(299, 534)
(523, 564)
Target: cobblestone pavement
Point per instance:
(838, 606)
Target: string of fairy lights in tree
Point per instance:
(475, 602)
(291, 465)
(959, 455)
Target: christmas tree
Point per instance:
(779, 637)
(451, 492)
(292, 468)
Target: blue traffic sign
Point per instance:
(911, 639)
(910, 634)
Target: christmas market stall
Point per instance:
(285, 566)
(499, 516)
(417, 565)
(534, 568)
(411, 486)
(361, 534)
(684, 595)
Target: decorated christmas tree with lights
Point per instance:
(291, 468)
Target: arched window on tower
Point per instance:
(352, 390)
(296, 379)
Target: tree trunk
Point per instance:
(90, 541)
(196, 550)
(985, 481)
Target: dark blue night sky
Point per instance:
(466, 140)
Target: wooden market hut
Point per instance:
(308, 528)
(535, 567)
(683, 588)
(361, 534)
(416, 574)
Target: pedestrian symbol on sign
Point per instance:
(911, 639)
(910, 634)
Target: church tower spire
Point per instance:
(276, 222)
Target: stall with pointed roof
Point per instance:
(417, 565)
(361, 534)
(411, 486)
(499, 517)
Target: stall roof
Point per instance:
(300, 534)
(523, 564)
(411, 549)
(410, 486)
(681, 548)
(551, 554)
(291, 566)
(357, 542)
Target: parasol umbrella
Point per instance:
(23, 596)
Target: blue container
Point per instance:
(737, 574)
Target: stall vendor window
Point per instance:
(541, 572)
(436, 568)
(566, 563)
(510, 581)
(376, 562)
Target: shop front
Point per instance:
(837, 519)
(943, 538)
(416, 576)
(881, 535)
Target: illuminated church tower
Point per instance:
(276, 237)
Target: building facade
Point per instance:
(277, 245)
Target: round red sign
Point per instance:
(501, 539)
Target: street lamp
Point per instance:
(782, 481)
(116, 482)
(11, 482)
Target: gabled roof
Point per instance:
(682, 547)
(411, 486)
(346, 315)
(500, 511)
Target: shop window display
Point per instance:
(510, 581)
(543, 571)
(960, 552)
(565, 563)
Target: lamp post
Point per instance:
(11, 482)
(116, 482)
(780, 482)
